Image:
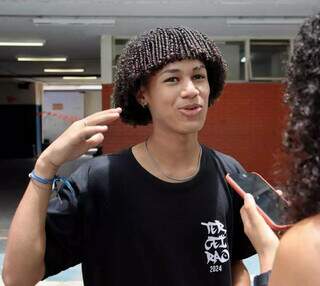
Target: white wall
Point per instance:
(92, 101)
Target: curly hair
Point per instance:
(150, 52)
(302, 135)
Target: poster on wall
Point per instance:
(60, 109)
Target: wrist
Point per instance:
(44, 167)
(268, 254)
(266, 262)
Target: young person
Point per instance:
(296, 261)
(159, 213)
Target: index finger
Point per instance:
(102, 117)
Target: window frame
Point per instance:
(236, 40)
(269, 39)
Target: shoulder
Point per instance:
(298, 255)
(303, 238)
(104, 162)
(229, 163)
(100, 169)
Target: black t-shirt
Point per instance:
(127, 227)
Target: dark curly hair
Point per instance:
(151, 51)
(302, 135)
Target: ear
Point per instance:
(141, 97)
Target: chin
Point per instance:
(191, 127)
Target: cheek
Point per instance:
(207, 88)
(160, 107)
(205, 93)
(164, 99)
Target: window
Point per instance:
(269, 59)
(234, 54)
(118, 46)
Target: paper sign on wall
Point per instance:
(57, 106)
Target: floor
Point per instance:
(14, 178)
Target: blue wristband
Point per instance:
(41, 180)
(59, 184)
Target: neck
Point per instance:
(174, 149)
(174, 158)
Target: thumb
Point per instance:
(251, 208)
(249, 201)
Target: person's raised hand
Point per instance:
(263, 239)
(80, 137)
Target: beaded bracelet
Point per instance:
(41, 180)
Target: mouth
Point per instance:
(191, 109)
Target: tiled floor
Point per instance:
(14, 178)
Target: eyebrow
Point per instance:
(177, 70)
(199, 67)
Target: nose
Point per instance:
(190, 89)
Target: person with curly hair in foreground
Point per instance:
(158, 213)
(295, 261)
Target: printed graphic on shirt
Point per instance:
(216, 246)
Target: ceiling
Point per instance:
(81, 43)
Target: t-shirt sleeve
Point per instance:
(64, 224)
(241, 247)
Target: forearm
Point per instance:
(240, 274)
(24, 258)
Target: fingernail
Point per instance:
(248, 196)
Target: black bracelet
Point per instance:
(262, 279)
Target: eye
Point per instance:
(199, 76)
(172, 79)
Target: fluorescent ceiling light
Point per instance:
(79, 77)
(63, 70)
(73, 87)
(90, 87)
(41, 59)
(8, 43)
(265, 21)
(73, 21)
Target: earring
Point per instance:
(144, 104)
